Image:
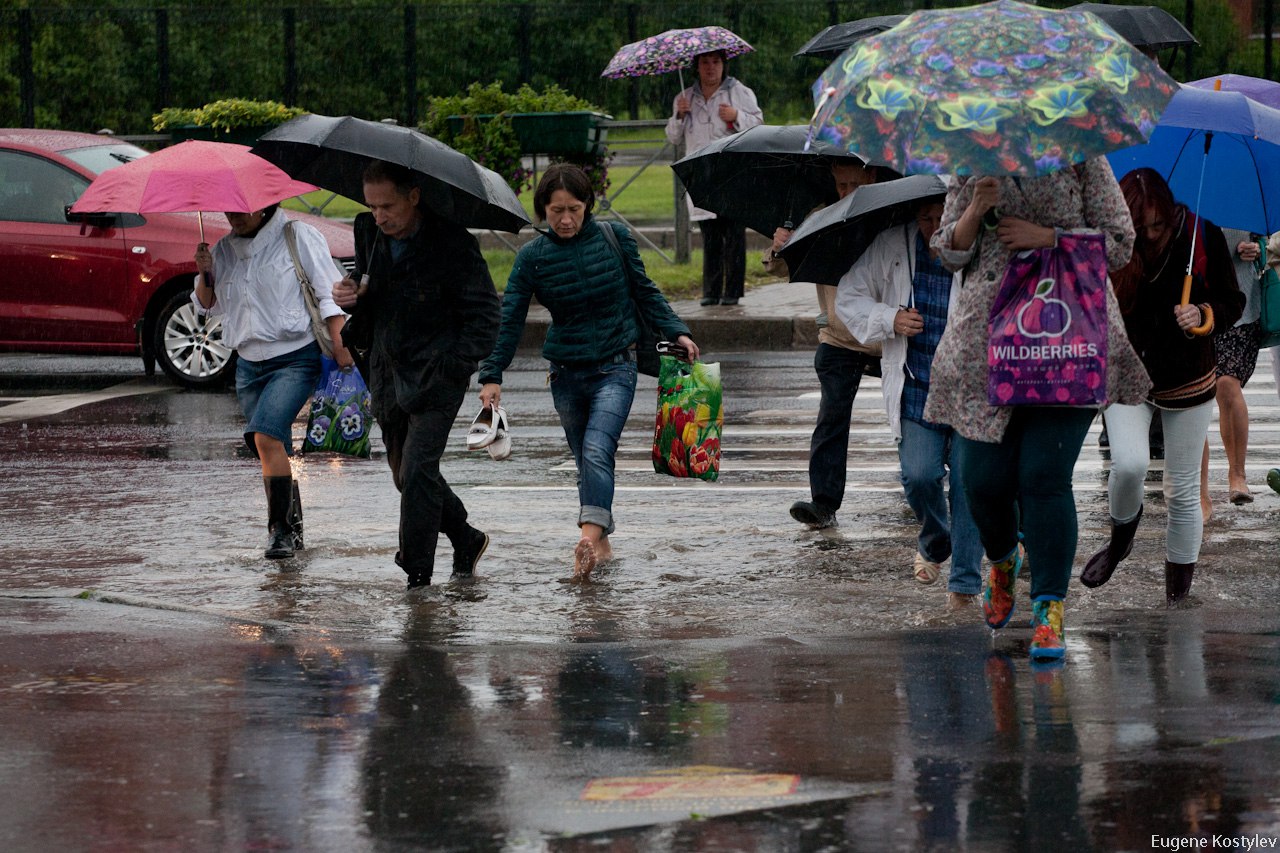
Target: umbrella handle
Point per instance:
(1207, 326)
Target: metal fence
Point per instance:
(114, 66)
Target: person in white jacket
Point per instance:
(898, 294)
(249, 281)
(715, 107)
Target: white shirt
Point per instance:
(257, 293)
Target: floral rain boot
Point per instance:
(1047, 636)
(997, 598)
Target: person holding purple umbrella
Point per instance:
(249, 280)
(714, 107)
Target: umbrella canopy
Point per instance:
(332, 152)
(1148, 27)
(1220, 147)
(998, 89)
(762, 176)
(191, 176)
(836, 38)
(671, 51)
(1263, 91)
(826, 244)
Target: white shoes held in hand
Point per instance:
(500, 447)
(490, 430)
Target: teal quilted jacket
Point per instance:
(582, 283)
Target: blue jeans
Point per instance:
(1027, 478)
(839, 374)
(593, 401)
(925, 457)
(271, 392)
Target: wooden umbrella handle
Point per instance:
(1207, 326)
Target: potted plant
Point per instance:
(229, 120)
(497, 129)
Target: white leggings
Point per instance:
(1184, 435)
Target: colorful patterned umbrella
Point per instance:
(998, 89)
(671, 51)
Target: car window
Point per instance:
(33, 189)
(100, 158)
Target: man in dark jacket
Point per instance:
(426, 316)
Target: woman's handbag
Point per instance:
(319, 327)
(686, 437)
(1047, 331)
(1269, 289)
(341, 414)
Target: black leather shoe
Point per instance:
(807, 512)
(466, 559)
(729, 301)
(418, 580)
(709, 300)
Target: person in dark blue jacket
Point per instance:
(592, 291)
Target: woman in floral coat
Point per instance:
(1016, 461)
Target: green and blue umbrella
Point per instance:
(1003, 88)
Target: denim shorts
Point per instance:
(273, 391)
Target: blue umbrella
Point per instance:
(1220, 150)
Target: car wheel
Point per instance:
(189, 347)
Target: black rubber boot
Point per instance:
(1177, 581)
(279, 533)
(295, 517)
(1100, 566)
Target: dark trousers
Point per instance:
(724, 258)
(428, 507)
(1024, 482)
(839, 374)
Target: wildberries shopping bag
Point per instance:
(1047, 340)
(686, 437)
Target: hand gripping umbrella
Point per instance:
(191, 176)
(1235, 138)
(332, 152)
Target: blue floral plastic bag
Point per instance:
(341, 413)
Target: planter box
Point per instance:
(240, 135)
(580, 132)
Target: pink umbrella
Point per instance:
(191, 176)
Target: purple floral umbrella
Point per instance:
(672, 51)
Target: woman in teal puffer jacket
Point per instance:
(592, 290)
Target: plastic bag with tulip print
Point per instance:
(686, 437)
(341, 413)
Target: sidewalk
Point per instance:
(770, 317)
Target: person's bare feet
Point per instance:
(584, 559)
(604, 550)
(1206, 507)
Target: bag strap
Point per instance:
(612, 239)
(304, 281)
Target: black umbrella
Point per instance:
(334, 151)
(826, 244)
(762, 177)
(835, 38)
(1148, 27)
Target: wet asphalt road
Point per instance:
(162, 687)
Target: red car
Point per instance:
(106, 283)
